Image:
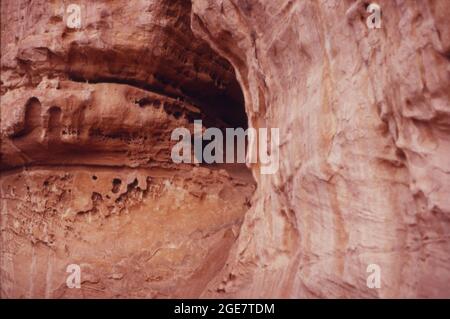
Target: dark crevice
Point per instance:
(31, 118)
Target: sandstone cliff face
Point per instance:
(364, 176)
(87, 175)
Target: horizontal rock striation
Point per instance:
(87, 175)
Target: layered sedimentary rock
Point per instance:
(87, 174)
(364, 172)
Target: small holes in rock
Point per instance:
(96, 197)
(116, 185)
(177, 114)
(94, 177)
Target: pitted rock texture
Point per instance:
(364, 177)
(87, 176)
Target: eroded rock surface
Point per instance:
(364, 118)
(87, 175)
(364, 177)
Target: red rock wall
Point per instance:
(364, 172)
(364, 120)
(87, 175)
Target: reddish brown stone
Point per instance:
(87, 178)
